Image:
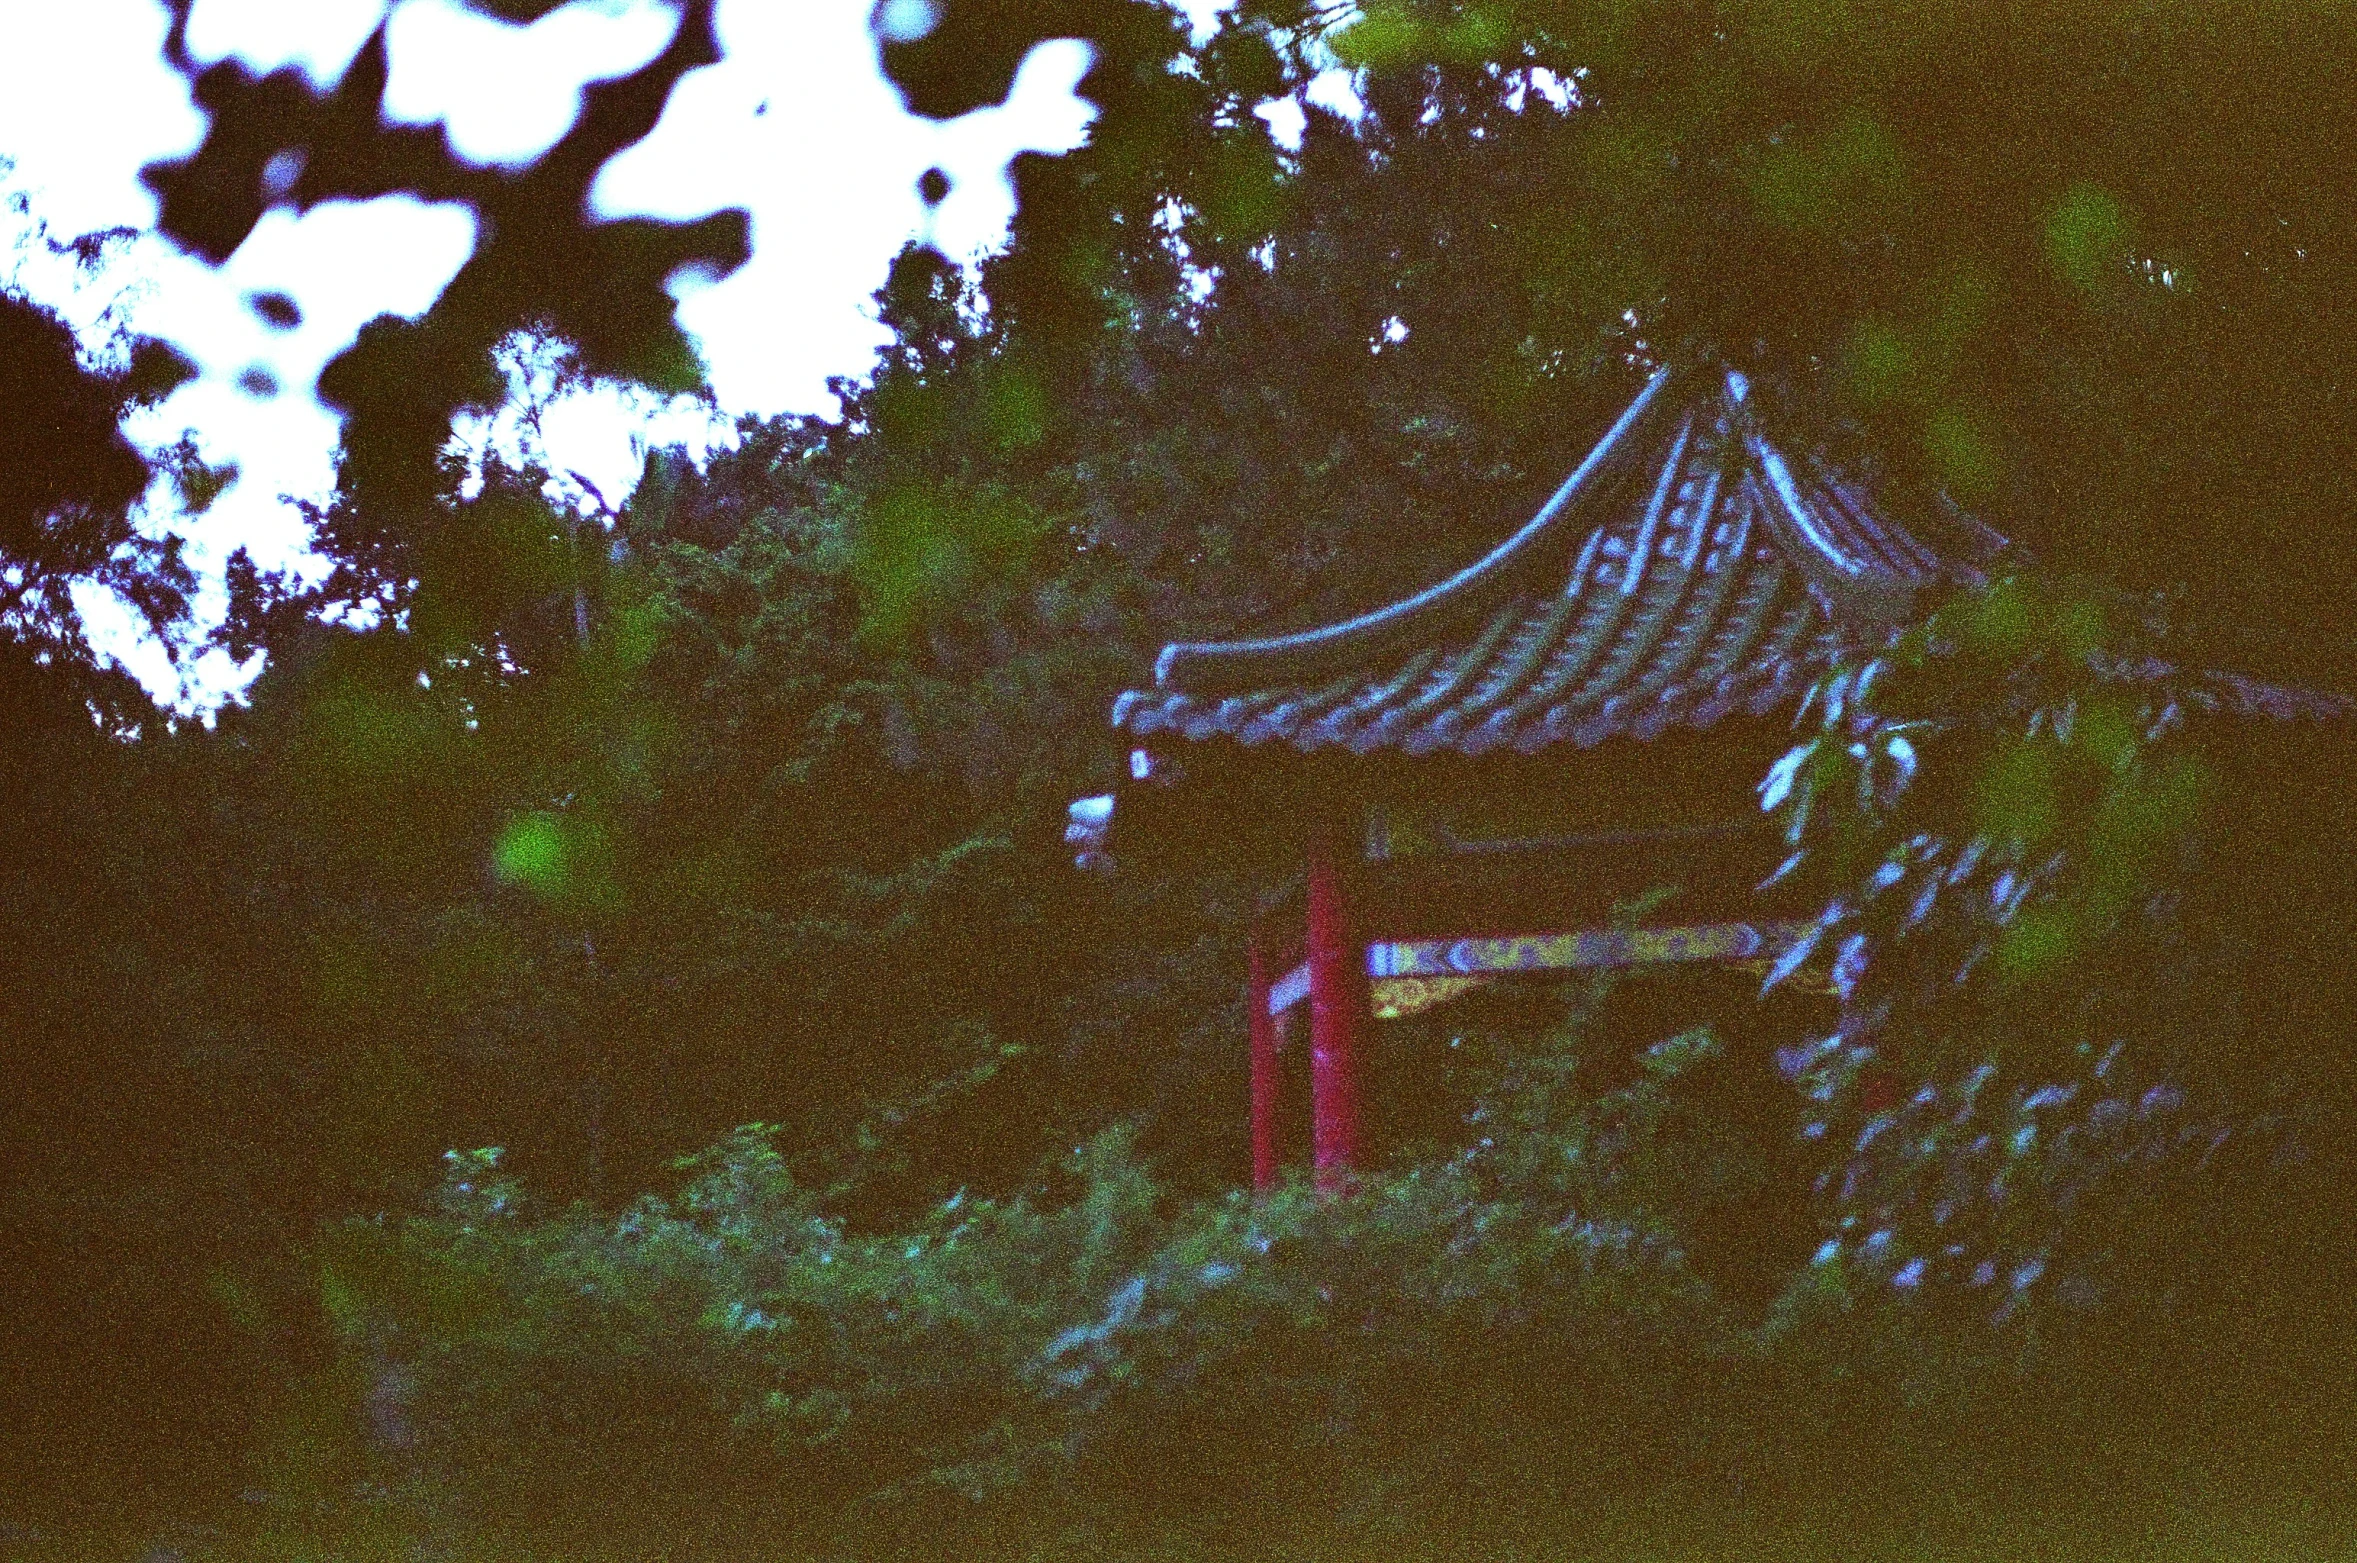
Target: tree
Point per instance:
(73, 480)
(594, 836)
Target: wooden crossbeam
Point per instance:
(1444, 963)
(1590, 949)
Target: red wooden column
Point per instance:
(1337, 1013)
(1264, 1070)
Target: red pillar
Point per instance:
(1264, 1071)
(1337, 1012)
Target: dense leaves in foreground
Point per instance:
(1512, 1337)
(596, 835)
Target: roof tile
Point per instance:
(1689, 570)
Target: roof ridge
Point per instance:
(1859, 563)
(1717, 564)
(1205, 667)
(1689, 545)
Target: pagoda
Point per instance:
(1474, 782)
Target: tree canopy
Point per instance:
(731, 817)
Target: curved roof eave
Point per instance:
(1209, 667)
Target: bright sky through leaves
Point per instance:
(796, 124)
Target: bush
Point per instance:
(1518, 1318)
(740, 1330)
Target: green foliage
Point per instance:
(993, 1338)
(532, 851)
(1989, 222)
(2087, 237)
(591, 835)
(916, 553)
(1091, 1345)
(2035, 915)
(540, 261)
(72, 479)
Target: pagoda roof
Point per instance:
(1691, 569)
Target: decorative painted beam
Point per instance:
(1589, 950)
(1393, 997)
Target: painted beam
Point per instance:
(1589, 950)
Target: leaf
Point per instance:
(1783, 774)
(1837, 690)
(1849, 967)
(1903, 761)
(1124, 1305)
(1924, 900)
(1078, 1335)
(1797, 826)
(1791, 960)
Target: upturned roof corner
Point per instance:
(1689, 569)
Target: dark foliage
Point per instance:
(595, 836)
(65, 449)
(540, 260)
(68, 477)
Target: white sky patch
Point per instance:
(79, 142)
(1287, 121)
(827, 162)
(573, 429)
(1559, 93)
(1336, 91)
(317, 37)
(343, 263)
(582, 428)
(797, 124)
(1205, 17)
(488, 82)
